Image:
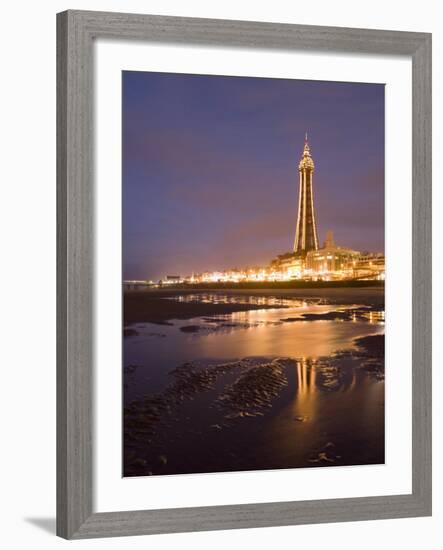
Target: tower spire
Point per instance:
(306, 149)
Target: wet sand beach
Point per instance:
(241, 380)
(150, 305)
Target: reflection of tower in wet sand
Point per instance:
(306, 396)
(309, 378)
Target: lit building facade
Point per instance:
(288, 266)
(368, 266)
(331, 261)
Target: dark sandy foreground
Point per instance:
(239, 415)
(253, 413)
(151, 305)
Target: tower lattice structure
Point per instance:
(306, 237)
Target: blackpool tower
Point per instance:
(306, 237)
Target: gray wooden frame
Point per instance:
(76, 31)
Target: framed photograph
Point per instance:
(244, 259)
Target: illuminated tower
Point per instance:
(306, 233)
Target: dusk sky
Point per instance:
(210, 169)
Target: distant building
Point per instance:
(287, 266)
(330, 260)
(171, 280)
(368, 266)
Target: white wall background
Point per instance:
(27, 218)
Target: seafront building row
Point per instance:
(325, 264)
(329, 263)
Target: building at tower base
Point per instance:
(331, 261)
